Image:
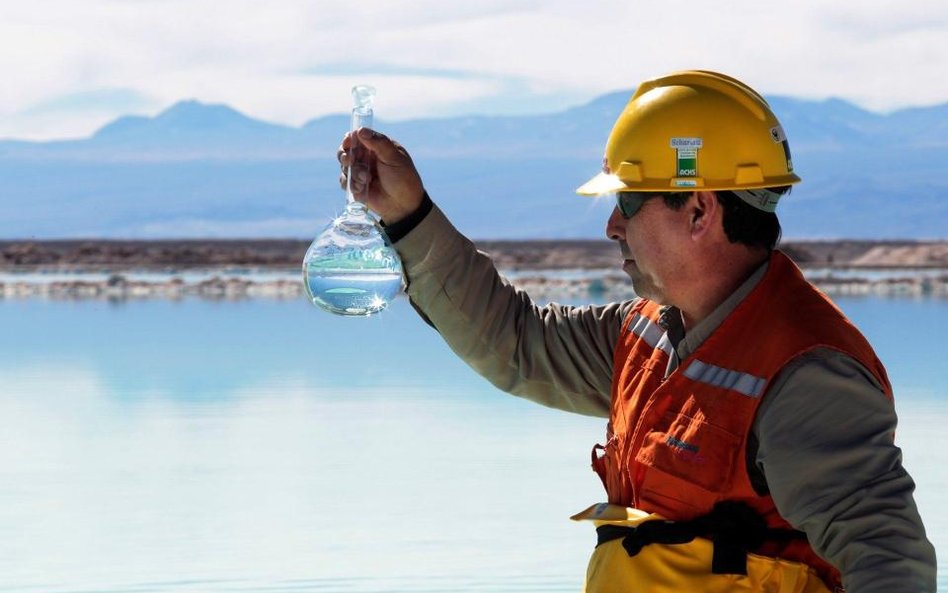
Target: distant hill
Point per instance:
(198, 170)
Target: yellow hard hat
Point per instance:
(694, 130)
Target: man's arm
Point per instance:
(555, 355)
(825, 432)
(558, 356)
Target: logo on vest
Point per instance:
(686, 451)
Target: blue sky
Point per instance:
(71, 66)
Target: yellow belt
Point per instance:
(681, 567)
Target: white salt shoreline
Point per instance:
(247, 283)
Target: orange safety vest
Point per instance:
(678, 444)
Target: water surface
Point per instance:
(264, 445)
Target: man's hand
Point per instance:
(383, 175)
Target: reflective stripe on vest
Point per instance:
(743, 383)
(652, 333)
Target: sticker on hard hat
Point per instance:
(686, 150)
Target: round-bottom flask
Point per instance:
(351, 268)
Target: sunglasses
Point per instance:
(629, 202)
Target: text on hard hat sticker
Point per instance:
(686, 142)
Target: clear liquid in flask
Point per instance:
(351, 270)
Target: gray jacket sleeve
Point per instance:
(555, 355)
(825, 432)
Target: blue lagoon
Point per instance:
(262, 445)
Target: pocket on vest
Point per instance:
(688, 453)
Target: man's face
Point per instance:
(651, 247)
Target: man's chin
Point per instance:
(633, 273)
(640, 285)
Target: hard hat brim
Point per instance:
(604, 183)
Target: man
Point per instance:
(750, 436)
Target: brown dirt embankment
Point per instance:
(118, 255)
(112, 255)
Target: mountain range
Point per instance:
(199, 170)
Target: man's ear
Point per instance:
(704, 212)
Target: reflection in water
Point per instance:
(263, 446)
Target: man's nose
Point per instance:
(615, 226)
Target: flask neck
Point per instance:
(362, 117)
(355, 207)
